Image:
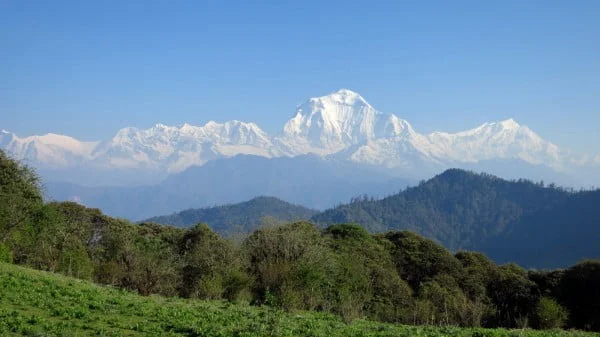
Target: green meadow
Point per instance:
(36, 303)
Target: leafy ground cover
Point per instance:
(35, 303)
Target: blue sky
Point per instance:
(88, 68)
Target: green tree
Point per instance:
(367, 283)
(290, 266)
(514, 296)
(549, 314)
(148, 261)
(418, 259)
(580, 294)
(210, 266)
(20, 194)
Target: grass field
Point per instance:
(34, 303)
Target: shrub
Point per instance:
(549, 314)
(5, 254)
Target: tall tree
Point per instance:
(20, 194)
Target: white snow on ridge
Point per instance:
(177, 148)
(342, 124)
(50, 149)
(328, 124)
(500, 140)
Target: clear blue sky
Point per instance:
(88, 68)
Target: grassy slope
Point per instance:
(35, 303)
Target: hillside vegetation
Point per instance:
(397, 277)
(34, 303)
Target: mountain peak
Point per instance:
(186, 125)
(159, 126)
(328, 124)
(343, 96)
(346, 92)
(458, 175)
(509, 124)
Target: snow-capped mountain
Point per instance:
(506, 139)
(342, 126)
(490, 141)
(328, 124)
(51, 149)
(346, 125)
(177, 148)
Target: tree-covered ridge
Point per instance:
(558, 236)
(465, 210)
(397, 277)
(458, 208)
(243, 217)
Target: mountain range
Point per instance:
(340, 126)
(518, 221)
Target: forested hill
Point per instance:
(557, 237)
(465, 210)
(243, 217)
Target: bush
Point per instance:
(580, 294)
(549, 314)
(209, 270)
(5, 254)
(290, 263)
(74, 261)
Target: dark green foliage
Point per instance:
(348, 232)
(514, 296)
(210, 265)
(5, 254)
(419, 260)
(243, 217)
(457, 208)
(20, 194)
(580, 294)
(477, 273)
(149, 261)
(367, 283)
(548, 282)
(549, 314)
(48, 242)
(290, 265)
(570, 233)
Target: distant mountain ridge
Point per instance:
(244, 217)
(308, 180)
(341, 125)
(511, 221)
